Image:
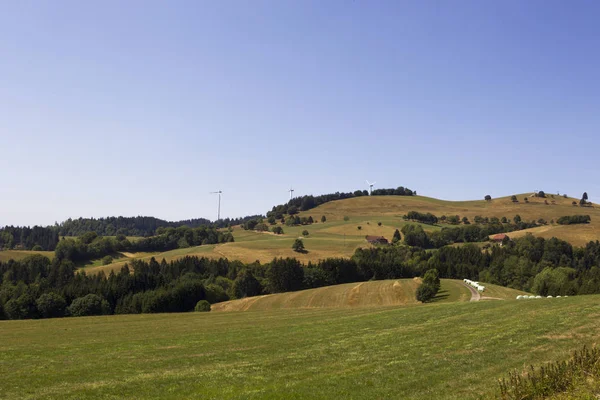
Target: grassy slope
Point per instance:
(339, 238)
(362, 294)
(437, 351)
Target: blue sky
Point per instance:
(143, 108)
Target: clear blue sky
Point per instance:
(143, 108)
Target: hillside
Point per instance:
(437, 351)
(340, 238)
(397, 292)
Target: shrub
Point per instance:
(91, 304)
(202, 306)
(51, 305)
(323, 219)
(37, 247)
(107, 260)
(488, 197)
(346, 218)
(305, 233)
(514, 199)
(359, 227)
(379, 224)
(425, 293)
(277, 230)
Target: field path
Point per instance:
(475, 296)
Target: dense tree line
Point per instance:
(574, 219)
(38, 238)
(426, 218)
(304, 203)
(91, 246)
(36, 287)
(137, 226)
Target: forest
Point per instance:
(138, 226)
(308, 202)
(38, 288)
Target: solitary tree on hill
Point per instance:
(323, 219)
(298, 246)
(488, 197)
(585, 196)
(514, 199)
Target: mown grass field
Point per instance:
(396, 292)
(340, 238)
(434, 351)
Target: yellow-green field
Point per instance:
(446, 350)
(397, 292)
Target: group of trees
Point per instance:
(36, 238)
(39, 288)
(91, 246)
(304, 203)
(427, 218)
(430, 286)
(137, 226)
(573, 219)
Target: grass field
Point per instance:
(398, 292)
(340, 238)
(6, 255)
(436, 351)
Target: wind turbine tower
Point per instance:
(370, 187)
(219, 209)
(291, 193)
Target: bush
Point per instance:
(92, 304)
(37, 247)
(51, 305)
(202, 306)
(107, 260)
(488, 197)
(379, 224)
(277, 230)
(425, 293)
(346, 218)
(323, 219)
(305, 233)
(359, 227)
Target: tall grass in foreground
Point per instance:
(554, 378)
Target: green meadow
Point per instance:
(434, 351)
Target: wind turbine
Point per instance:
(291, 192)
(219, 209)
(370, 186)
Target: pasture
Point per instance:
(454, 350)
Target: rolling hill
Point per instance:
(398, 292)
(340, 238)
